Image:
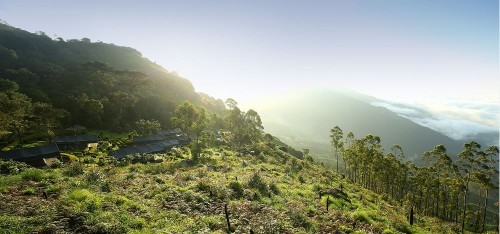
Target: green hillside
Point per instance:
(100, 85)
(229, 175)
(306, 117)
(272, 192)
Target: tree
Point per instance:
(148, 126)
(253, 125)
(441, 165)
(336, 141)
(185, 117)
(47, 118)
(467, 160)
(246, 127)
(16, 109)
(231, 103)
(193, 121)
(306, 155)
(485, 176)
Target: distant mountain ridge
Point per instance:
(305, 118)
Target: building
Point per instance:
(80, 141)
(35, 156)
(151, 148)
(147, 139)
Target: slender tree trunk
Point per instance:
(437, 199)
(337, 156)
(478, 217)
(20, 137)
(485, 210)
(464, 211)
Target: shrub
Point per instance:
(257, 183)
(8, 181)
(106, 186)
(12, 167)
(55, 188)
(93, 177)
(300, 220)
(86, 199)
(109, 228)
(237, 189)
(160, 168)
(402, 226)
(74, 169)
(362, 216)
(203, 185)
(33, 175)
(301, 179)
(29, 191)
(274, 188)
(80, 194)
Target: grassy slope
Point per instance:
(279, 195)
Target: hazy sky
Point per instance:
(395, 49)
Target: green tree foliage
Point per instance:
(441, 188)
(336, 136)
(185, 117)
(47, 118)
(16, 109)
(245, 127)
(103, 86)
(194, 122)
(148, 126)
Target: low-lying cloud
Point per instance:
(459, 120)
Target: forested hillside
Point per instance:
(97, 85)
(305, 118)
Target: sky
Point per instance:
(397, 50)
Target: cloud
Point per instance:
(458, 119)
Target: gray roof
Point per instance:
(170, 132)
(151, 148)
(148, 138)
(29, 154)
(75, 139)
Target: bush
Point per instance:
(274, 188)
(301, 179)
(93, 177)
(237, 189)
(33, 175)
(257, 183)
(106, 187)
(362, 216)
(12, 167)
(74, 169)
(29, 191)
(203, 185)
(160, 168)
(300, 220)
(402, 226)
(86, 199)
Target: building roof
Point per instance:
(29, 154)
(75, 139)
(170, 132)
(148, 138)
(151, 148)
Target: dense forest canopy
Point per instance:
(98, 85)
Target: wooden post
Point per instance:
(327, 203)
(227, 219)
